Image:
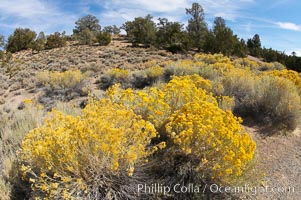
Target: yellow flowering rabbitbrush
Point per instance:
(61, 80)
(214, 136)
(68, 152)
(157, 104)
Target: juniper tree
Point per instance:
(197, 27)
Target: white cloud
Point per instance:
(289, 26)
(298, 52)
(50, 16)
(229, 10)
(148, 5)
(119, 11)
(24, 8)
(38, 15)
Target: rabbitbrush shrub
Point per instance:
(215, 137)
(91, 156)
(188, 119)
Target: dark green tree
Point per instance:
(254, 46)
(224, 38)
(141, 30)
(85, 37)
(2, 41)
(240, 48)
(171, 36)
(21, 39)
(39, 44)
(210, 45)
(103, 38)
(89, 22)
(56, 40)
(197, 27)
(113, 30)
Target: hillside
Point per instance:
(278, 149)
(18, 77)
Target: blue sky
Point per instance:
(278, 22)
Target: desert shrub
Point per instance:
(91, 156)
(212, 58)
(278, 66)
(153, 72)
(245, 63)
(180, 68)
(225, 102)
(103, 151)
(180, 110)
(12, 131)
(157, 104)
(118, 73)
(214, 137)
(55, 40)
(147, 77)
(268, 100)
(4, 189)
(62, 86)
(70, 79)
(239, 83)
(288, 74)
(176, 48)
(222, 68)
(208, 72)
(20, 39)
(103, 38)
(278, 102)
(113, 76)
(265, 66)
(85, 37)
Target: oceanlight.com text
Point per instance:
(209, 188)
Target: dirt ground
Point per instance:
(280, 156)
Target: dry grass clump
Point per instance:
(63, 86)
(137, 79)
(113, 76)
(13, 128)
(265, 99)
(180, 68)
(279, 102)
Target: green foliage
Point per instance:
(141, 30)
(222, 40)
(170, 35)
(89, 22)
(254, 46)
(113, 30)
(39, 44)
(85, 37)
(21, 39)
(103, 38)
(240, 48)
(197, 26)
(55, 40)
(2, 41)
